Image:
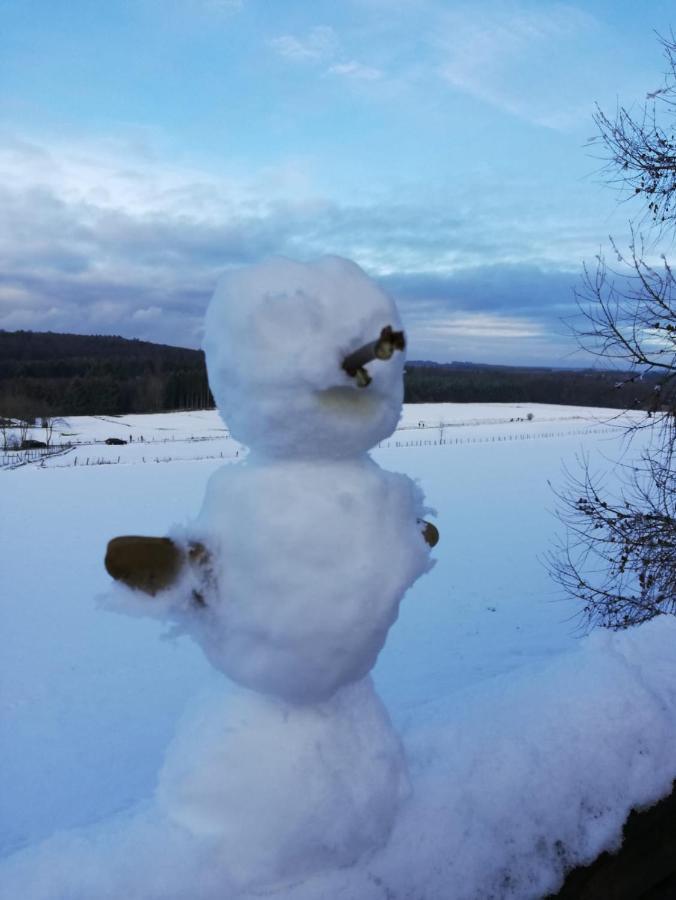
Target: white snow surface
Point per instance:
(527, 744)
(276, 335)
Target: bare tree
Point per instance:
(48, 424)
(628, 316)
(639, 148)
(619, 554)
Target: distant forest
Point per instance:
(47, 374)
(475, 383)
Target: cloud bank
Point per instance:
(106, 239)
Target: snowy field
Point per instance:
(527, 742)
(201, 435)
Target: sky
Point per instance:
(146, 146)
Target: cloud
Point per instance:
(488, 313)
(110, 240)
(355, 70)
(318, 45)
(533, 61)
(482, 325)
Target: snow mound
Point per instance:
(513, 782)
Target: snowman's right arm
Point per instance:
(152, 564)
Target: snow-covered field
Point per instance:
(527, 742)
(201, 435)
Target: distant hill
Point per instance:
(44, 373)
(49, 374)
(481, 383)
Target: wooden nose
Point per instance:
(383, 348)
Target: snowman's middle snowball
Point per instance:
(313, 560)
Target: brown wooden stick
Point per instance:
(383, 348)
(430, 532)
(150, 564)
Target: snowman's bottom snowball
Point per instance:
(286, 790)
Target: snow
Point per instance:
(292, 575)
(201, 434)
(276, 335)
(527, 743)
(242, 752)
(310, 560)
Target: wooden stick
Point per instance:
(383, 348)
(150, 564)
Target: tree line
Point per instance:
(48, 374)
(44, 374)
(467, 383)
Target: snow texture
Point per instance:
(513, 781)
(275, 338)
(286, 789)
(310, 560)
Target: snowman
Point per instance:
(291, 576)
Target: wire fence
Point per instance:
(14, 459)
(496, 438)
(17, 458)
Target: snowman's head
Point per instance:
(276, 339)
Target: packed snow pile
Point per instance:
(512, 781)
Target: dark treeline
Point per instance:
(47, 374)
(472, 383)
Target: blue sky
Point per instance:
(148, 145)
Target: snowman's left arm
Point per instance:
(152, 564)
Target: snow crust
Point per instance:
(275, 338)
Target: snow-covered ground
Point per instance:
(527, 742)
(201, 435)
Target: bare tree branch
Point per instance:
(618, 556)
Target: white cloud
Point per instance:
(318, 45)
(528, 60)
(147, 314)
(479, 325)
(355, 70)
(106, 237)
